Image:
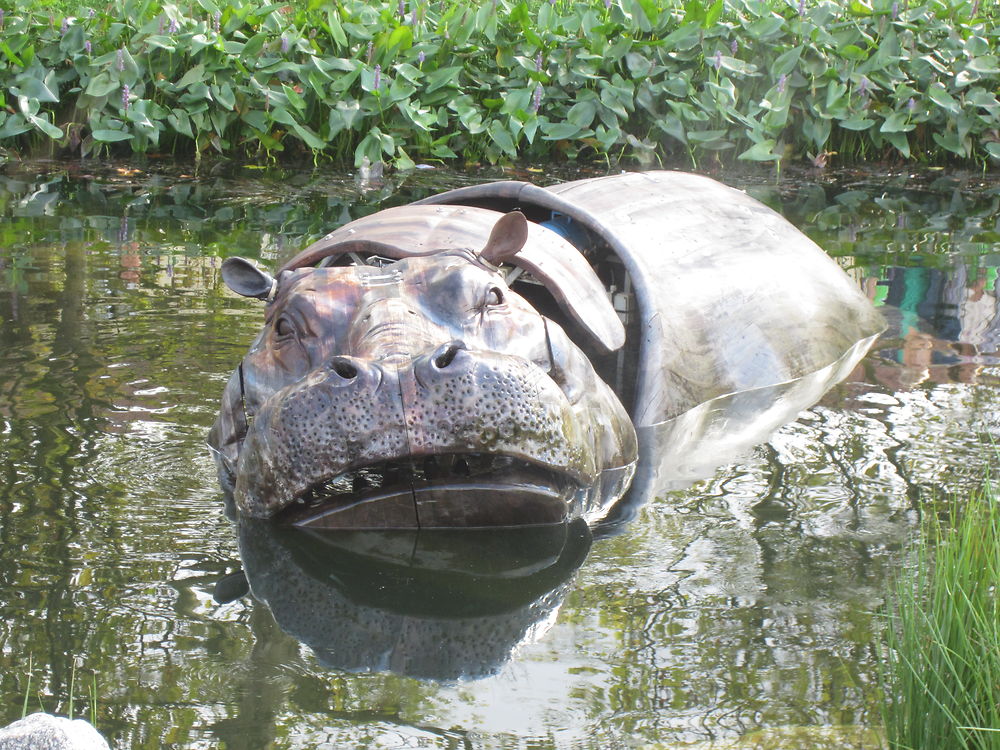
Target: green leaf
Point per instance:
(101, 85)
(984, 65)
(900, 142)
(443, 77)
(400, 38)
(9, 54)
(45, 126)
(194, 75)
(897, 122)
(560, 131)
(179, 121)
(853, 52)
(763, 151)
(334, 26)
(502, 138)
(786, 62)
(582, 114)
(940, 96)
(857, 122)
(110, 136)
(35, 89)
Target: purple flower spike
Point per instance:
(863, 86)
(172, 28)
(802, 7)
(378, 77)
(895, 11)
(607, 3)
(718, 61)
(912, 104)
(781, 83)
(65, 27)
(733, 47)
(402, 10)
(1, 18)
(217, 22)
(421, 57)
(87, 46)
(538, 62)
(536, 99)
(371, 50)
(285, 44)
(413, 16)
(121, 60)
(125, 95)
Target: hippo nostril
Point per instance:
(344, 368)
(445, 354)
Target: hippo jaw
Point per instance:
(408, 443)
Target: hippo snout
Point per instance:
(353, 414)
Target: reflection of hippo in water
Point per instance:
(446, 351)
(442, 605)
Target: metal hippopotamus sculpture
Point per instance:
(499, 355)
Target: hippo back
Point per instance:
(728, 295)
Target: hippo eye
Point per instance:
(494, 296)
(283, 328)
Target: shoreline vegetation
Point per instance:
(642, 81)
(941, 660)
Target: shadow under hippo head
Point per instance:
(386, 396)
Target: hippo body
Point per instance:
(448, 363)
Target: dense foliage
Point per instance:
(506, 79)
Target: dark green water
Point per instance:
(745, 602)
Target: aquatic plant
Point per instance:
(642, 79)
(942, 657)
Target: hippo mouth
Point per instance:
(435, 491)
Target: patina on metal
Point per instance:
(447, 363)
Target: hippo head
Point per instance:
(388, 396)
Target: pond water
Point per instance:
(742, 603)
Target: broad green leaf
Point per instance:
(940, 96)
(897, 122)
(900, 142)
(857, 122)
(502, 138)
(853, 52)
(101, 85)
(110, 136)
(560, 131)
(15, 124)
(786, 62)
(984, 65)
(582, 114)
(194, 75)
(179, 121)
(45, 126)
(400, 38)
(36, 89)
(224, 95)
(763, 151)
(443, 77)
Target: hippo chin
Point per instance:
(446, 363)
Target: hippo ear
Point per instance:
(507, 238)
(243, 277)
